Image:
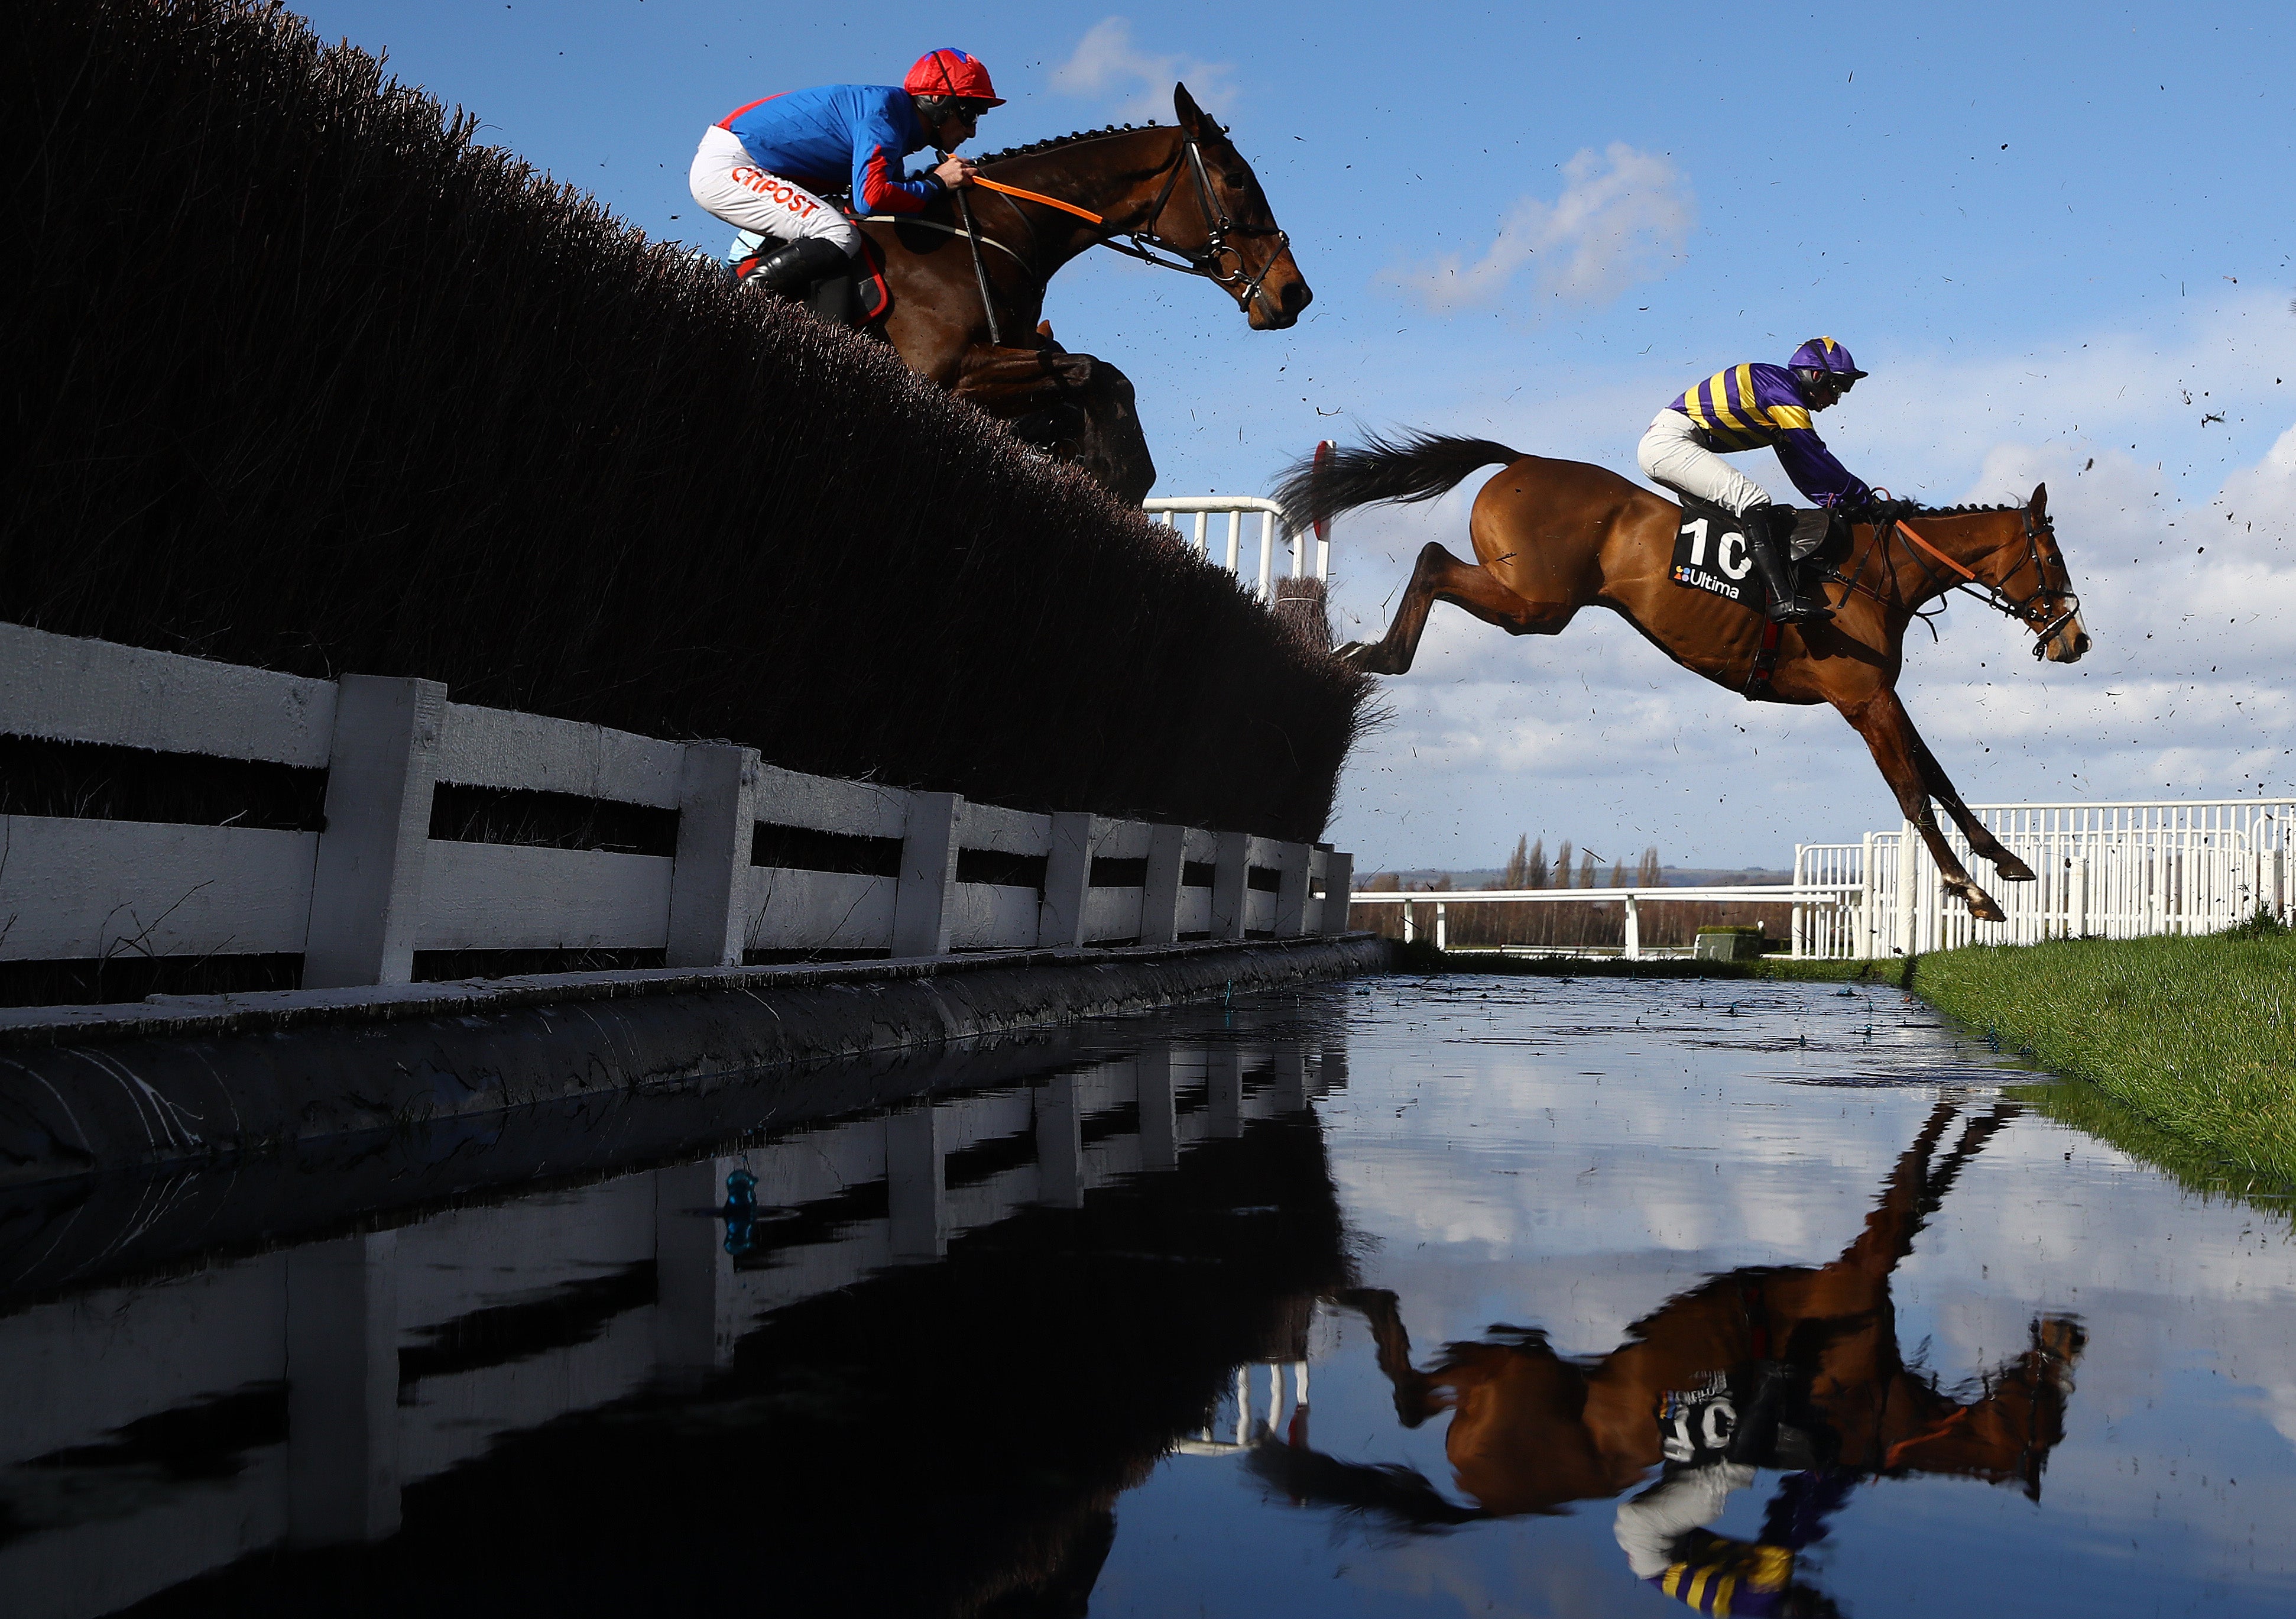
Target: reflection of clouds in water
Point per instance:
(2277, 1401)
(2186, 1384)
(1507, 1569)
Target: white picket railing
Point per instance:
(1311, 554)
(2112, 871)
(1811, 897)
(2122, 870)
(359, 900)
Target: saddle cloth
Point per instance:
(1710, 554)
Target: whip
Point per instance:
(980, 270)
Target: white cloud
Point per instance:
(1108, 64)
(1623, 214)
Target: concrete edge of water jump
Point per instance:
(192, 1080)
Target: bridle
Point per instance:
(2066, 603)
(1145, 243)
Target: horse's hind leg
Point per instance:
(1981, 837)
(1898, 750)
(1441, 577)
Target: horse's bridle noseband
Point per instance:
(1996, 596)
(1145, 243)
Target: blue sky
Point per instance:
(2058, 236)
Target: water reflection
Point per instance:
(1795, 1370)
(1035, 1329)
(902, 1361)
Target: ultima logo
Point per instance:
(1706, 560)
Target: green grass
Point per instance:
(2193, 1041)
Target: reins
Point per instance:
(1996, 596)
(1084, 214)
(1143, 243)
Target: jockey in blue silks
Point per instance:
(1753, 408)
(763, 166)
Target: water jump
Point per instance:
(1712, 582)
(950, 266)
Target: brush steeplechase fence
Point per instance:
(756, 861)
(1311, 551)
(2110, 871)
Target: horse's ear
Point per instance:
(2039, 503)
(1190, 115)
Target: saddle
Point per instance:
(872, 297)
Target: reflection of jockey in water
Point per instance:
(1793, 1368)
(1753, 408)
(764, 166)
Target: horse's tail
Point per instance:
(1417, 466)
(1399, 1497)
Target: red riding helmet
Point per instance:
(954, 74)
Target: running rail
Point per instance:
(1274, 527)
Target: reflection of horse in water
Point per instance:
(1795, 1367)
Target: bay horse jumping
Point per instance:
(1794, 1367)
(1181, 198)
(1552, 537)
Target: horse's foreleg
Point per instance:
(1441, 577)
(1897, 748)
(1417, 1397)
(1980, 836)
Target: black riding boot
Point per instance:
(796, 266)
(1768, 546)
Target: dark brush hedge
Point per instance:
(300, 376)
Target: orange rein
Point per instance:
(1084, 214)
(1940, 556)
(1852, 583)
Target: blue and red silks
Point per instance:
(833, 136)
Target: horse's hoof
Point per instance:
(2009, 868)
(1363, 657)
(1982, 905)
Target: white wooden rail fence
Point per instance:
(2122, 870)
(1803, 896)
(2106, 870)
(1311, 554)
(359, 900)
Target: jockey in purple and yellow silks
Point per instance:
(1754, 408)
(763, 166)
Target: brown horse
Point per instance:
(1795, 1367)
(1552, 537)
(1183, 198)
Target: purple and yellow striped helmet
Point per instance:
(1823, 354)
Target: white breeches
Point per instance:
(727, 181)
(1670, 453)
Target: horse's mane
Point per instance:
(1965, 511)
(1058, 141)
